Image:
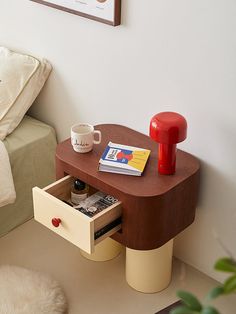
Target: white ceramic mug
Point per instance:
(82, 137)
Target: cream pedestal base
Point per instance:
(104, 251)
(149, 271)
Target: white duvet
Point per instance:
(7, 189)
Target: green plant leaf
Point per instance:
(226, 264)
(230, 284)
(182, 310)
(215, 292)
(190, 300)
(209, 310)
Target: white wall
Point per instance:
(167, 55)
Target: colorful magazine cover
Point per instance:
(124, 159)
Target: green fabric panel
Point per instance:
(31, 149)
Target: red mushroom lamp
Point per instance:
(167, 129)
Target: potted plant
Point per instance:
(192, 305)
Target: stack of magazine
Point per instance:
(95, 203)
(124, 159)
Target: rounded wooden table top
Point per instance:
(150, 184)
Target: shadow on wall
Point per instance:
(215, 223)
(217, 192)
(56, 101)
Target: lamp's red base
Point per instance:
(166, 158)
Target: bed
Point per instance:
(31, 148)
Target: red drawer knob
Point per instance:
(56, 222)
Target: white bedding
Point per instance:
(21, 79)
(7, 189)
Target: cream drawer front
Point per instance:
(74, 226)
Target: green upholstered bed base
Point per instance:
(31, 148)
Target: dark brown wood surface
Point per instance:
(155, 207)
(169, 308)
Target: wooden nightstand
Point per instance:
(154, 208)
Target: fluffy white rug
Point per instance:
(24, 291)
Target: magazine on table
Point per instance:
(123, 159)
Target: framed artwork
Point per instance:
(105, 11)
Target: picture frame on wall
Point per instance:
(105, 11)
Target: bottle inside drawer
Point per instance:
(104, 209)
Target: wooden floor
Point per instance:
(97, 287)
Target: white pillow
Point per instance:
(21, 79)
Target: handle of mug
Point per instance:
(99, 137)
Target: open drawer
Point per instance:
(74, 226)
